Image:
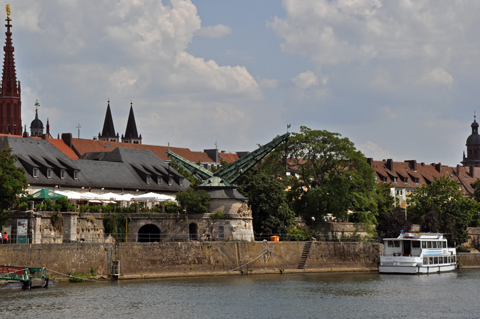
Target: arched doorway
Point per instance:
(149, 234)
(193, 231)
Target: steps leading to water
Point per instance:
(305, 252)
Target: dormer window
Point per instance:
(35, 172)
(159, 180)
(49, 173)
(417, 180)
(63, 174)
(181, 181)
(75, 174)
(169, 180)
(395, 179)
(149, 179)
(405, 179)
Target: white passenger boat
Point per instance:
(417, 253)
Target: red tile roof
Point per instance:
(227, 157)
(60, 144)
(82, 146)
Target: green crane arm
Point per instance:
(236, 169)
(193, 169)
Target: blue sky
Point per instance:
(399, 78)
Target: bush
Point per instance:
(23, 206)
(217, 215)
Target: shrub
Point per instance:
(217, 215)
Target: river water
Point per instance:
(325, 295)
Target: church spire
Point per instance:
(131, 133)
(108, 132)
(10, 102)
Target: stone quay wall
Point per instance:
(149, 260)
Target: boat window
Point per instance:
(397, 243)
(435, 260)
(445, 261)
(444, 244)
(453, 259)
(425, 260)
(424, 244)
(429, 244)
(390, 243)
(434, 244)
(415, 244)
(430, 260)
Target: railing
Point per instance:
(100, 237)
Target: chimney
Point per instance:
(48, 128)
(472, 172)
(458, 169)
(390, 164)
(438, 167)
(370, 161)
(67, 138)
(412, 164)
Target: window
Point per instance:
(424, 244)
(35, 172)
(390, 243)
(49, 173)
(396, 243)
(399, 192)
(445, 261)
(417, 180)
(385, 179)
(459, 188)
(415, 244)
(75, 174)
(159, 180)
(221, 232)
(395, 179)
(444, 244)
(429, 244)
(430, 261)
(434, 244)
(62, 174)
(169, 180)
(405, 179)
(149, 179)
(435, 260)
(425, 260)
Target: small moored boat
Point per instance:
(417, 253)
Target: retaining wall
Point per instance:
(192, 258)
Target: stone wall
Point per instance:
(139, 260)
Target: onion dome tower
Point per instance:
(36, 128)
(131, 133)
(10, 101)
(108, 132)
(473, 147)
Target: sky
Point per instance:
(398, 78)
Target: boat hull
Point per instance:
(416, 269)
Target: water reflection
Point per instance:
(327, 295)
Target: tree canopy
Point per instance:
(441, 207)
(12, 179)
(194, 201)
(334, 177)
(266, 195)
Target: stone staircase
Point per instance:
(305, 252)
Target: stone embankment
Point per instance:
(149, 260)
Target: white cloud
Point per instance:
(218, 31)
(269, 83)
(371, 149)
(305, 80)
(437, 76)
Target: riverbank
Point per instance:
(153, 260)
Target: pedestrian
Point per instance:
(1, 238)
(5, 238)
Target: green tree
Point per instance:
(266, 195)
(194, 201)
(393, 223)
(334, 176)
(12, 179)
(441, 207)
